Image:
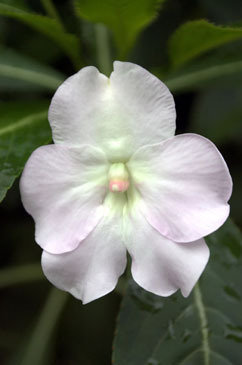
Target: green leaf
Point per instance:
(203, 329)
(197, 37)
(69, 43)
(28, 73)
(23, 127)
(125, 18)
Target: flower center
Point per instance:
(118, 177)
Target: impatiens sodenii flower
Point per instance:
(116, 179)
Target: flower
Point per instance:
(116, 179)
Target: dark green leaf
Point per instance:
(26, 72)
(217, 114)
(124, 18)
(197, 37)
(69, 43)
(20, 4)
(204, 329)
(23, 127)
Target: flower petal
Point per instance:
(160, 265)
(185, 185)
(148, 104)
(93, 268)
(120, 114)
(63, 189)
(77, 108)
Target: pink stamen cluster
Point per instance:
(118, 185)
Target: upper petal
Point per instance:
(185, 185)
(162, 266)
(93, 268)
(131, 109)
(63, 189)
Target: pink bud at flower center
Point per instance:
(118, 178)
(118, 185)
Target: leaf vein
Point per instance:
(33, 118)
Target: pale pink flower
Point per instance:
(117, 180)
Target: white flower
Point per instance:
(117, 179)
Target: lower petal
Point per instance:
(93, 268)
(162, 266)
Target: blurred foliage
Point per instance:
(124, 18)
(23, 128)
(50, 27)
(217, 114)
(205, 36)
(195, 47)
(21, 72)
(205, 328)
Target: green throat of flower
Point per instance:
(118, 177)
(122, 194)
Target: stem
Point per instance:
(204, 323)
(34, 77)
(193, 79)
(51, 11)
(21, 274)
(40, 337)
(104, 58)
